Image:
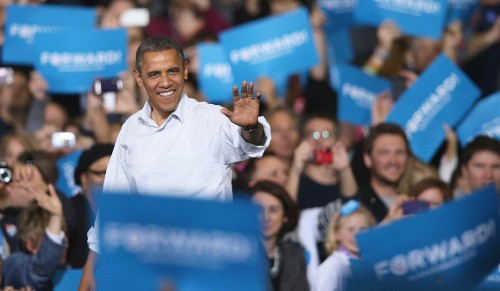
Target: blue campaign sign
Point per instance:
(483, 119)
(461, 10)
(453, 247)
(66, 168)
(70, 60)
(67, 279)
(275, 45)
(357, 93)
(339, 13)
(491, 282)
(442, 94)
(339, 46)
(215, 75)
(25, 22)
(424, 18)
(153, 242)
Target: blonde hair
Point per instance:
(335, 223)
(415, 171)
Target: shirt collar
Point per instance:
(179, 113)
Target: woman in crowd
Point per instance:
(279, 215)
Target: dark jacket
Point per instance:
(293, 274)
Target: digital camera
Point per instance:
(101, 86)
(323, 157)
(5, 173)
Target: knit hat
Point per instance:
(88, 157)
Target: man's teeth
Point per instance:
(164, 94)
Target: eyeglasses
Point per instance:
(325, 134)
(97, 173)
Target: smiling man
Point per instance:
(175, 145)
(385, 154)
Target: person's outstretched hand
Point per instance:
(246, 107)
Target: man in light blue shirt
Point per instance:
(175, 145)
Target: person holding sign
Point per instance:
(175, 145)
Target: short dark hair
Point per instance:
(251, 166)
(480, 143)
(157, 44)
(280, 193)
(381, 129)
(319, 115)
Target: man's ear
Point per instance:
(138, 78)
(367, 160)
(186, 70)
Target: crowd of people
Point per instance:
(319, 180)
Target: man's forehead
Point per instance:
(487, 156)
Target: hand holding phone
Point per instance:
(414, 206)
(63, 140)
(101, 86)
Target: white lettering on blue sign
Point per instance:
(360, 95)
(271, 49)
(71, 61)
(492, 128)
(439, 256)
(461, 3)
(220, 71)
(414, 7)
(28, 31)
(436, 101)
(159, 244)
(338, 5)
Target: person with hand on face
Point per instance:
(41, 233)
(176, 145)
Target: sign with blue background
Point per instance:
(491, 282)
(357, 93)
(25, 22)
(152, 242)
(424, 18)
(215, 75)
(71, 60)
(461, 10)
(66, 168)
(275, 45)
(339, 13)
(453, 247)
(442, 94)
(484, 118)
